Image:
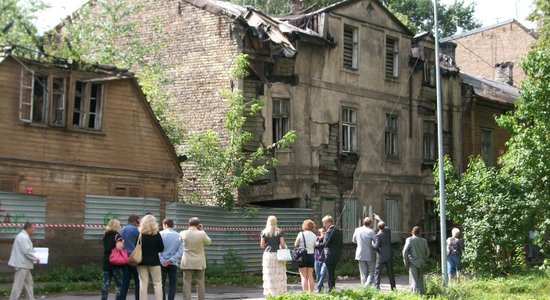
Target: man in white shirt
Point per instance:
(22, 259)
(363, 237)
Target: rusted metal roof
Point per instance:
(491, 90)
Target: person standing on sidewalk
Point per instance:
(332, 243)
(22, 259)
(193, 261)
(151, 246)
(170, 257)
(130, 234)
(415, 254)
(364, 254)
(320, 267)
(384, 256)
(110, 271)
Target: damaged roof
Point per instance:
(277, 30)
(492, 90)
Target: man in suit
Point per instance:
(332, 244)
(384, 256)
(364, 254)
(193, 261)
(415, 254)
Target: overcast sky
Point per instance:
(488, 12)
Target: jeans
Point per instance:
(116, 275)
(129, 272)
(453, 264)
(170, 271)
(320, 273)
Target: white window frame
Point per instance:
(429, 148)
(354, 47)
(349, 130)
(26, 95)
(280, 118)
(392, 57)
(83, 111)
(391, 136)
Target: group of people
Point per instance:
(161, 255)
(323, 253)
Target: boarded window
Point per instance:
(349, 130)
(87, 105)
(281, 114)
(126, 189)
(390, 138)
(393, 218)
(429, 141)
(392, 57)
(8, 183)
(350, 47)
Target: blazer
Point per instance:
(363, 237)
(382, 245)
(194, 241)
(416, 251)
(332, 244)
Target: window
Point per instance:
(58, 102)
(429, 67)
(126, 189)
(487, 146)
(33, 102)
(8, 183)
(350, 47)
(393, 218)
(429, 142)
(349, 130)
(391, 136)
(87, 105)
(392, 57)
(280, 115)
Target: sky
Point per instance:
(489, 12)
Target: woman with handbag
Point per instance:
(306, 240)
(110, 271)
(273, 270)
(151, 246)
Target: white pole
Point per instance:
(443, 228)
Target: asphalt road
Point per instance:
(234, 292)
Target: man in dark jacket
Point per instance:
(384, 256)
(332, 244)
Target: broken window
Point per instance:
(391, 136)
(429, 67)
(350, 47)
(487, 146)
(58, 102)
(429, 145)
(392, 57)
(87, 105)
(36, 105)
(349, 130)
(280, 115)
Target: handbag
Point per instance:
(118, 257)
(136, 256)
(299, 253)
(284, 255)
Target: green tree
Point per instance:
(224, 165)
(113, 39)
(417, 15)
(541, 15)
(16, 24)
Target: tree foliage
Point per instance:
(225, 165)
(16, 24)
(417, 15)
(106, 34)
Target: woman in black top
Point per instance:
(151, 245)
(274, 271)
(110, 271)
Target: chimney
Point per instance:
(504, 72)
(448, 48)
(296, 6)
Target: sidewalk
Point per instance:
(236, 292)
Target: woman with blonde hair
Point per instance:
(110, 271)
(274, 271)
(455, 247)
(151, 245)
(306, 239)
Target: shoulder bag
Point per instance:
(136, 256)
(299, 253)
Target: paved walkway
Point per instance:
(236, 292)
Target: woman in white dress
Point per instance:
(274, 271)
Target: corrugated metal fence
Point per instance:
(239, 230)
(20, 208)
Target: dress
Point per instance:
(274, 271)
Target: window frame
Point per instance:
(85, 102)
(348, 128)
(488, 160)
(427, 137)
(391, 137)
(393, 218)
(428, 70)
(392, 55)
(280, 121)
(353, 44)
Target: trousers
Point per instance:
(22, 279)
